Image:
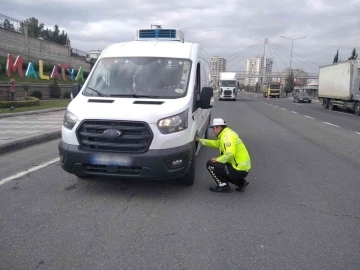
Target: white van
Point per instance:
(139, 110)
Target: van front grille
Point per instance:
(114, 136)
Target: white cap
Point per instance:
(218, 122)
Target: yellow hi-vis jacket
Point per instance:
(232, 150)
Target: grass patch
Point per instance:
(43, 105)
(23, 80)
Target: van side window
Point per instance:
(197, 88)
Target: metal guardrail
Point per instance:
(76, 52)
(9, 23)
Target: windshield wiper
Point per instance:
(97, 92)
(135, 96)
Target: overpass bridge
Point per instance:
(251, 63)
(280, 75)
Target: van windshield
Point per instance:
(274, 86)
(228, 83)
(140, 77)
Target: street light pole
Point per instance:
(292, 45)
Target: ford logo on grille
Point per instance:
(112, 133)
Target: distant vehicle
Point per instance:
(302, 97)
(339, 86)
(228, 86)
(91, 57)
(272, 89)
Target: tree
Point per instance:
(257, 87)
(55, 36)
(336, 58)
(59, 38)
(289, 83)
(7, 25)
(354, 55)
(35, 29)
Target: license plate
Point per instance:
(112, 160)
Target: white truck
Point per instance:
(339, 86)
(92, 56)
(227, 84)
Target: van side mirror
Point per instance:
(205, 97)
(75, 89)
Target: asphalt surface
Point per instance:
(300, 211)
(341, 118)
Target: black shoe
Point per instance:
(241, 189)
(220, 189)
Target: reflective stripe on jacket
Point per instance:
(232, 149)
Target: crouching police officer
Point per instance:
(233, 164)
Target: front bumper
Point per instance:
(152, 165)
(227, 97)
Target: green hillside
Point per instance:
(25, 80)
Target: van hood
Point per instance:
(133, 109)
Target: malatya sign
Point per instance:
(30, 71)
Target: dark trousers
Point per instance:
(225, 173)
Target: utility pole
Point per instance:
(292, 45)
(264, 64)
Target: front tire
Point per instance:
(332, 107)
(357, 109)
(189, 178)
(206, 136)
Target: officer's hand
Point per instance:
(213, 159)
(197, 138)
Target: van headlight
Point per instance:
(70, 120)
(174, 123)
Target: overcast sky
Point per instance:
(223, 28)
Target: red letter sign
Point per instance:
(11, 67)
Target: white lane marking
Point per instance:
(284, 109)
(294, 112)
(357, 133)
(309, 117)
(276, 106)
(330, 124)
(23, 173)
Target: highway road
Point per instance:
(340, 118)
(300, 211)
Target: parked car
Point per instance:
(302, 97)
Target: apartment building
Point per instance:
(217, 64)
(255, 66)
